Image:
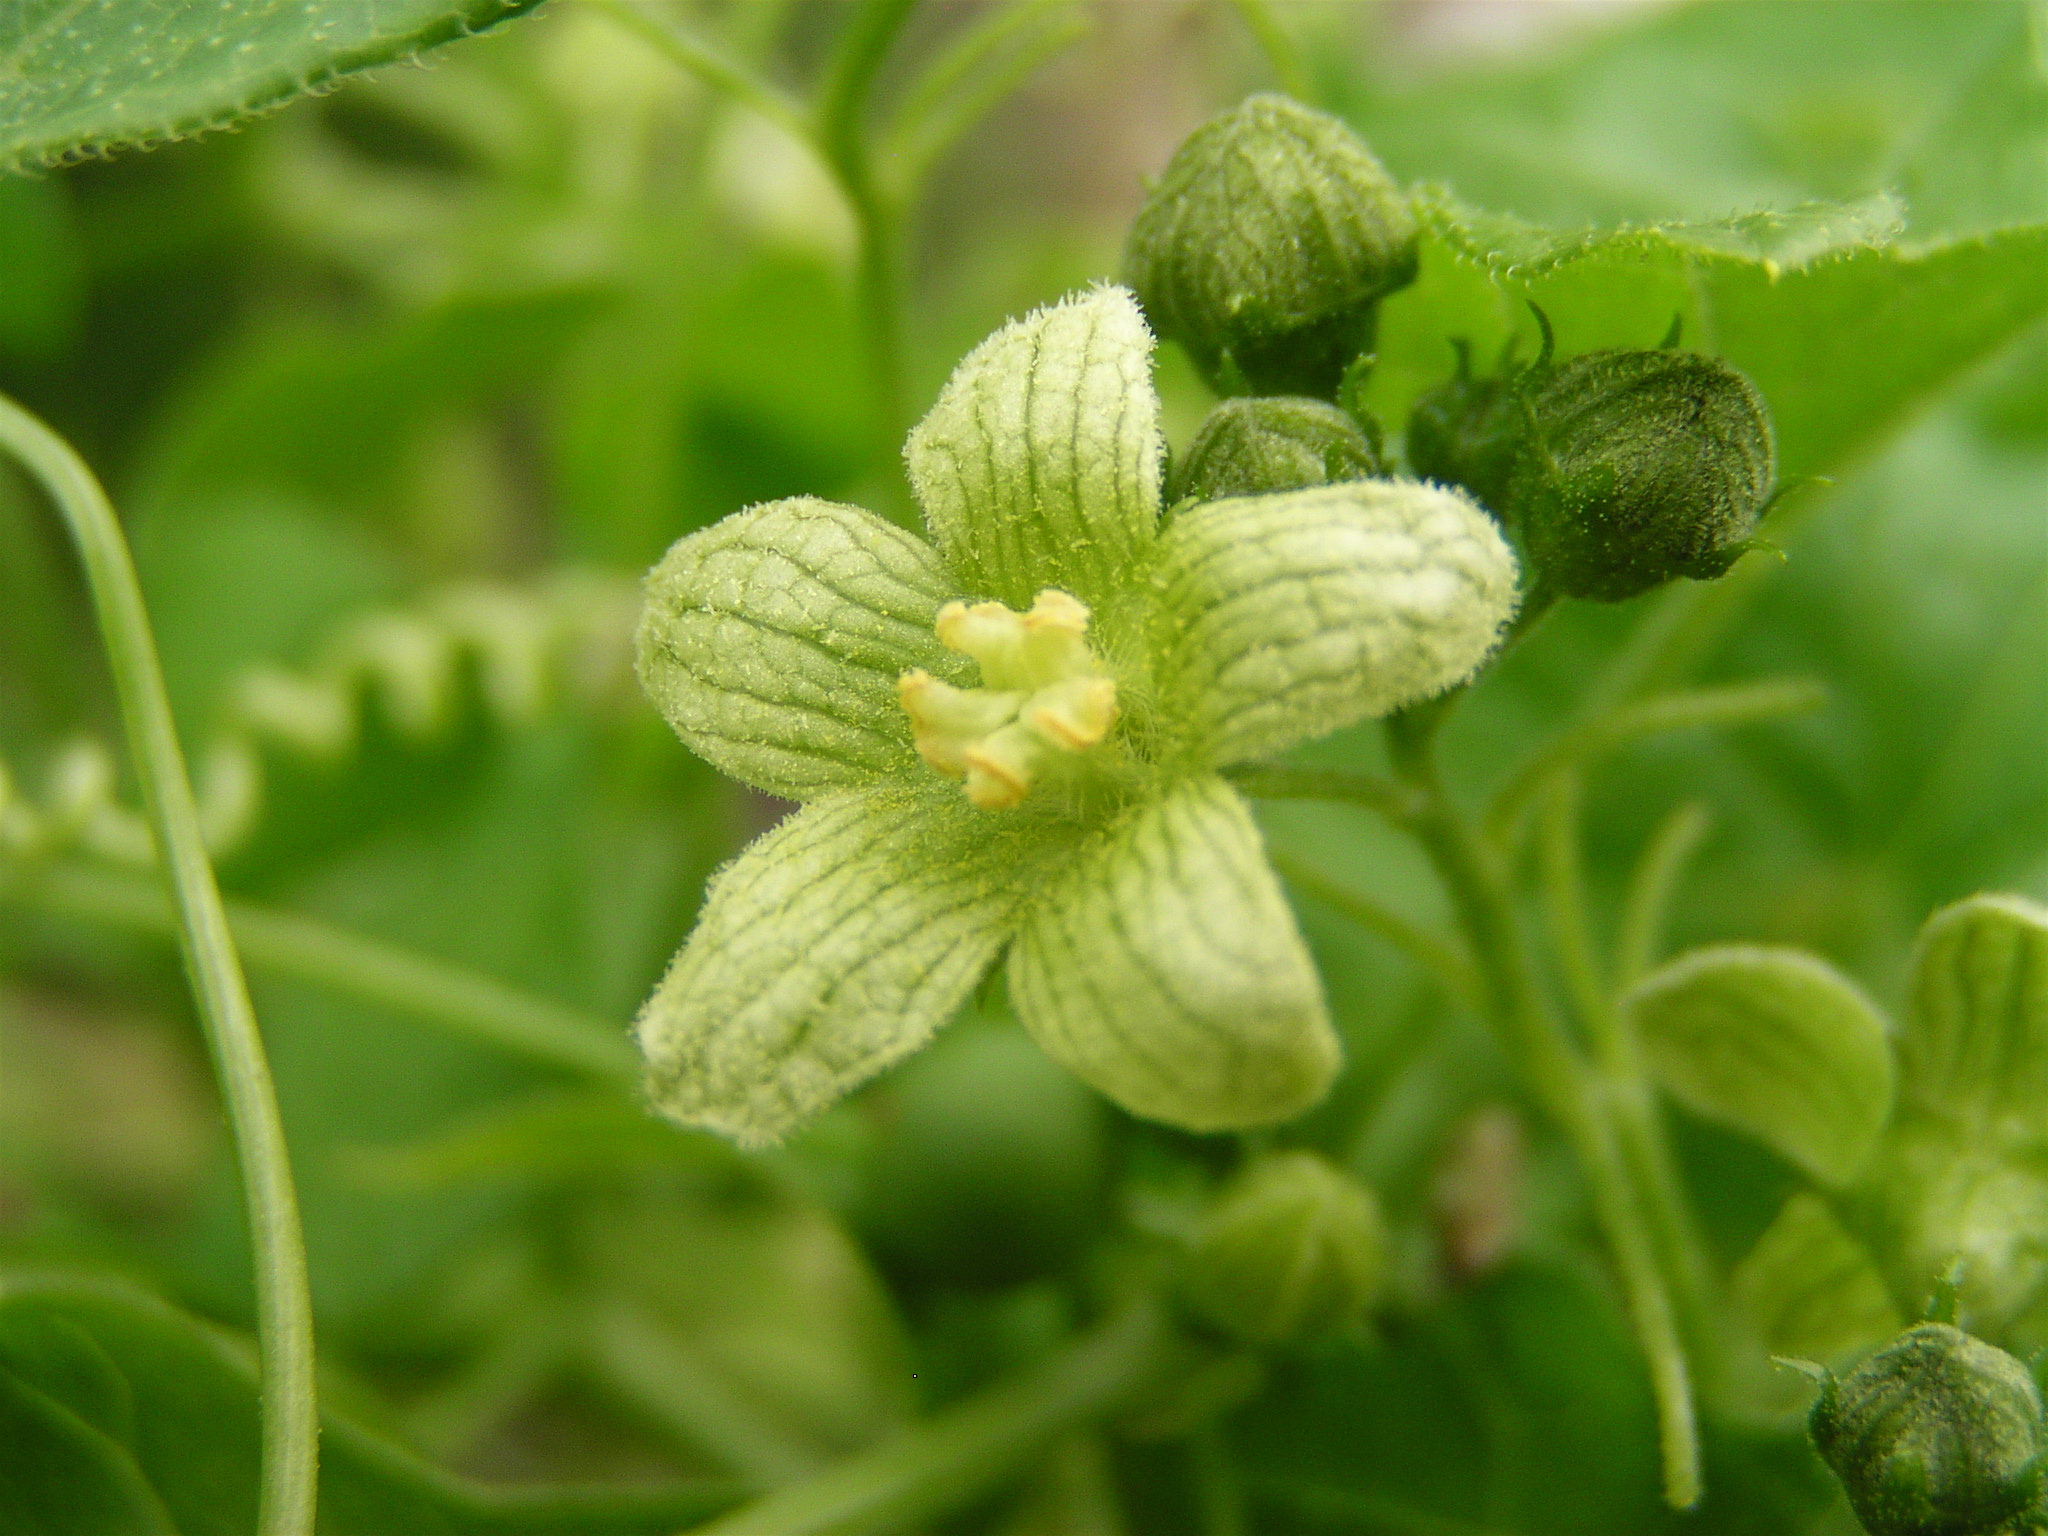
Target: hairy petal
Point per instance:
(1288, 616)
(1164, 967)
(772, 641)
(1040, 464)
(831, 948)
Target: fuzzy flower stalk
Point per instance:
(1006, 741)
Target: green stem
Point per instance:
(1284, 781)
(1741, 704)
(290, 1412)
(1437, 957)
(1290, 71)
(1650, 888)
(945, 1462)
(709, 63)
(460, 1000)
(1623, 1077)
(840, 133)
(1568, 1091)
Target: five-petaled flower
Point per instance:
(1009, 739)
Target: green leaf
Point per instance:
(181, 1455)
(830, 949)
(1516, 1407)
(1684, 111)
(1777, 1044)
(1164, 968)
(773, 640)
(1976, 1044)
(87, 80)
(62, 1476)
(1041, 463)
(1287, 617)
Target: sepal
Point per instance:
(1163, 966)
(1040, 464)
(1775, 1043)
(1287, 617)
(772, 642)
(831, 948)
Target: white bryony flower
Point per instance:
(1007, 742)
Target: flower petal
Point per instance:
(772, 641)
(1164, 967)
(1040, 464)
(829, 949)
(1286, 617)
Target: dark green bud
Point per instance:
(1937, 1434)
(1643, 466)
(1469, 432)
(1292, 1248)
(1266, 247)
(1258, 444)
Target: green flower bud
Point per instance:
(1469, 432)
(1293, 1247)
(1256, 445)
(1645, 465)
(1266, 248)
(1937, 1434)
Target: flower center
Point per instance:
(1044, 694)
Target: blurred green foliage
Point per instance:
(552, 304)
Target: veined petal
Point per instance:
(1164, 967)
(829, 949)
(1040, 464)
(772, 641)
(1286, 617)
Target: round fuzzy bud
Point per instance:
(1937, 1434)
(1469, 432)
(1293, 1247)
(1644, 466)
(1259, 444)
(1266, 247)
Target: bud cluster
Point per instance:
(1266, 250)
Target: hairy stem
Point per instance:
(1568, 1090)
(1290, 70)
(290, 1412)
(840, 132)
(943, 1463)
(1650, 889)
(1437, 957)
(1622, 1074)
(463, 1001)
(1742, 704)
(708, 62)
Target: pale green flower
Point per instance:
(1007, 739)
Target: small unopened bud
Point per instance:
(1469, 431)
(1645, 465)
(1293, 1247)
(1261, 444)
(1937, 1434)
(1266, 247)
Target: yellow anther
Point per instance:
(1043, 692)
(1077, 713)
